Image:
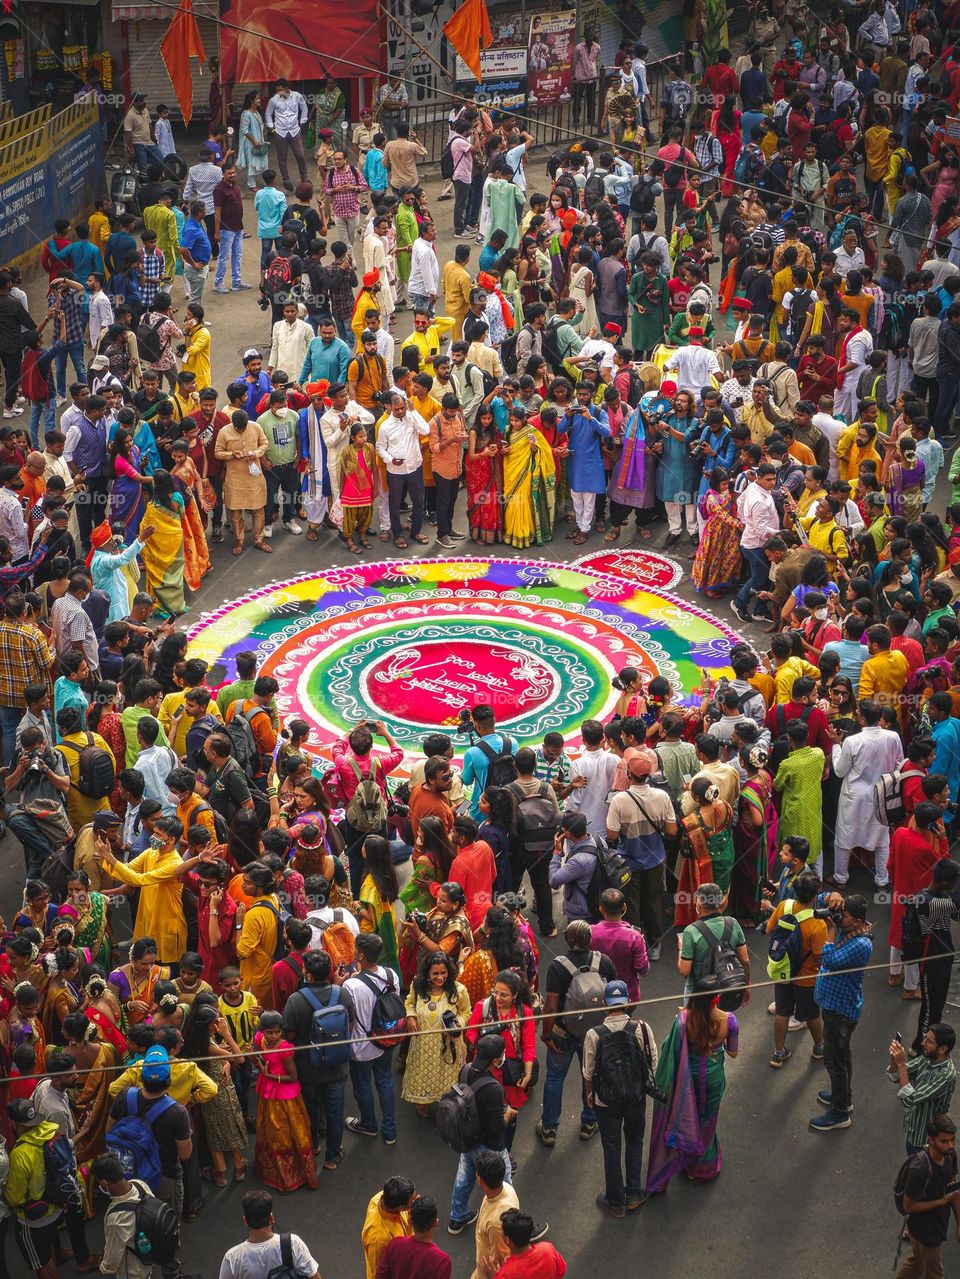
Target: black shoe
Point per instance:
(672, 539)
(455, 1227)
(614, 1210)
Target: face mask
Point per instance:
(156, 841)
(776, 462)
(906, 578)
(820, 614)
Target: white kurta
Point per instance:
(861, 761)
(375, 259)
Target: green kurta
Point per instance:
(407, 232)
(647, 329)
(800, 778)
(505, 202)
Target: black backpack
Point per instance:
(781, 744)
(635, 388)
(622, 1073)
(489, 381)
(508, 350)
(799, 306)
(593, 191)
(446, 161)
(900, 1185)
(293, 220)
(96, 774)
(550, 349)
(643, 197)
(389, 1020)
(673, 176)
(148, 340)
(722, 971)
(538, 820)
(156, 1234)
(457, 1116)
(914, 943)
(502, 768)
(611, 871)
(286, 1268)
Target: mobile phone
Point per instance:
(898, 1037)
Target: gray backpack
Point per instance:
(584, 1006)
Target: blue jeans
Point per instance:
(759, 575)
(420, 302)
(379, 1072)
(466, 1179)
(48, 411)
(231, 246)
(617, 1123)
(145, 154)
(36, 846)
(949, 384)
(265, 246)
(10, 717)
(75, 351)
(558, 1063)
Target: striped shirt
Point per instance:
(153, 269)
(928, 1091)
(552, 770)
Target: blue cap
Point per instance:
(615, 992)
(156, 1065)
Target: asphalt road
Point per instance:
(789, 1201)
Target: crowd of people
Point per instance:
(692, 321)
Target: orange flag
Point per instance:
(469, 31)
(181, 43)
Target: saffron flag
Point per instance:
(181, 43)
(469, 31)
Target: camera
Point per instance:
(828, 912)
(35, 764)
(419, 918)
(262, 303)
(450, 1023)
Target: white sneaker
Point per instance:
(793, 1024)
(772, 1009)
(268, 531)
(292, 527)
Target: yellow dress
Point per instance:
(529, 488)
(159, 219)
(255, 946)
(80, 808)
(197, 357)
(160, 913)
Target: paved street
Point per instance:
(780, 1184)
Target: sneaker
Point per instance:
(832, 1119)
(548, 1136)
(432, 519)
(9, 413)
(636, 1201)
(217, 535)
(817, 1053)
(456, 535)
(772, 1009)
(548, 933)
(539, 1232)
(614, 1210)
(653, 953)
(239, 284)
(219, 288)
(793, 1024)
(587, 1131)
(455, 1227)
(446, 543)
(268, 531)
(738, 612)
(389, 1141)
(779, 1059)
(826, 1099)
(353, 1125)
(292, 527)
(672, 539)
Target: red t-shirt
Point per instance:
(474, 869)
(816, 724)
(720, 79)
(214, 957)
(541, 1262)
(407, 1258)
(287, 973)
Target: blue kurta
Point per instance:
(586, 428)
(106, 569)
(677, 472)
(726, 449)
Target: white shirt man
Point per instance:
(286, 113)
(831, 429)
(861, 760)
(606, 351)
(696, 366)
(288, 350)
(758, 514)
(323, 915)
(257, 1257)
(13, 525)
(424, 270)
(850, 261)
(855, 352)
(101, 315)
(335, 429)
(598, 768)
(364, 990)
(202, 177)
(398, 441)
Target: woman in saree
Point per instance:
(187, 483)
(754, 835)
(91, 923)
(529, 484)
(432, 855)
(484, 479)
(716, 565)
(96, 1061)
(691, 1072)
(63, 992)
(134, 983)
(328, 110)
(252, 148)
(904, 481)
(285, 1158)
(379, 891)
(102, 1007)
(164, 555)
(445, 928)
(497, 949)
(127, 502)
(706, 849)
(631, 479)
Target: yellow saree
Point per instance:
(529, 488)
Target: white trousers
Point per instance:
(583, 508)
(383, 511)
(674, 509)
(881, 855)
(911, 972)
(315, 509)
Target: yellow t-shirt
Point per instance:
(256, 943)
(80, 808)
(241, 1019)
(787, 672)
(876, 144)
(99, 225)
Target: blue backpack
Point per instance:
(60, 1171)
(133, 1142)
(328, 1024)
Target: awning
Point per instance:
(157, 13)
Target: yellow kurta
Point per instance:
(160, 913)
(379, 1227)
(177, 737)
(188, 1083)
(429, 343)
(255, 947)
(883, 676)
(197, 358)
(160, 219)
(80, 808)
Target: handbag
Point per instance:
(512, 1071)
(208, 498)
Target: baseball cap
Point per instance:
(106, 821)
(489, 1048)
(615, 992)
(23, 1112)
(156, 1066)
(641, 765)
(251, 354)
(11, 475)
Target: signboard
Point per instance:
(495, 64)
(53, 172)
(508, 94)
(426, 84)
(952, 128)
(550, 62)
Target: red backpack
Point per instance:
(32, 382)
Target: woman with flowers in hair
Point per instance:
(96, 1060)
(706, 848)
(102, 1008)
(754, 834)
(89, 918)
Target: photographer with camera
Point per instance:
(41, 776)
(927, 1082)
(839, 994)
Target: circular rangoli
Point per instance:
(649, 568)
(412, 643)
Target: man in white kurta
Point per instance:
(861, 761)
(335, 425)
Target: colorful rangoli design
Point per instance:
(648, 568)
(413, 643)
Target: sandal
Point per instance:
(262, 546)
(614, 534)
(354, 550)
(240, 1174)
(331, 1165)
(238, 549)
(211, 1174)
(579, 539)
(399, 543)
(365, 544)
(312, 534)
(645, 534)
(424, 541)
(384, 536)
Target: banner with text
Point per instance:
(550, 60)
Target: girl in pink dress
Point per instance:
(284, 1150)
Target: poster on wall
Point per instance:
(550, 58)
(508, 94)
